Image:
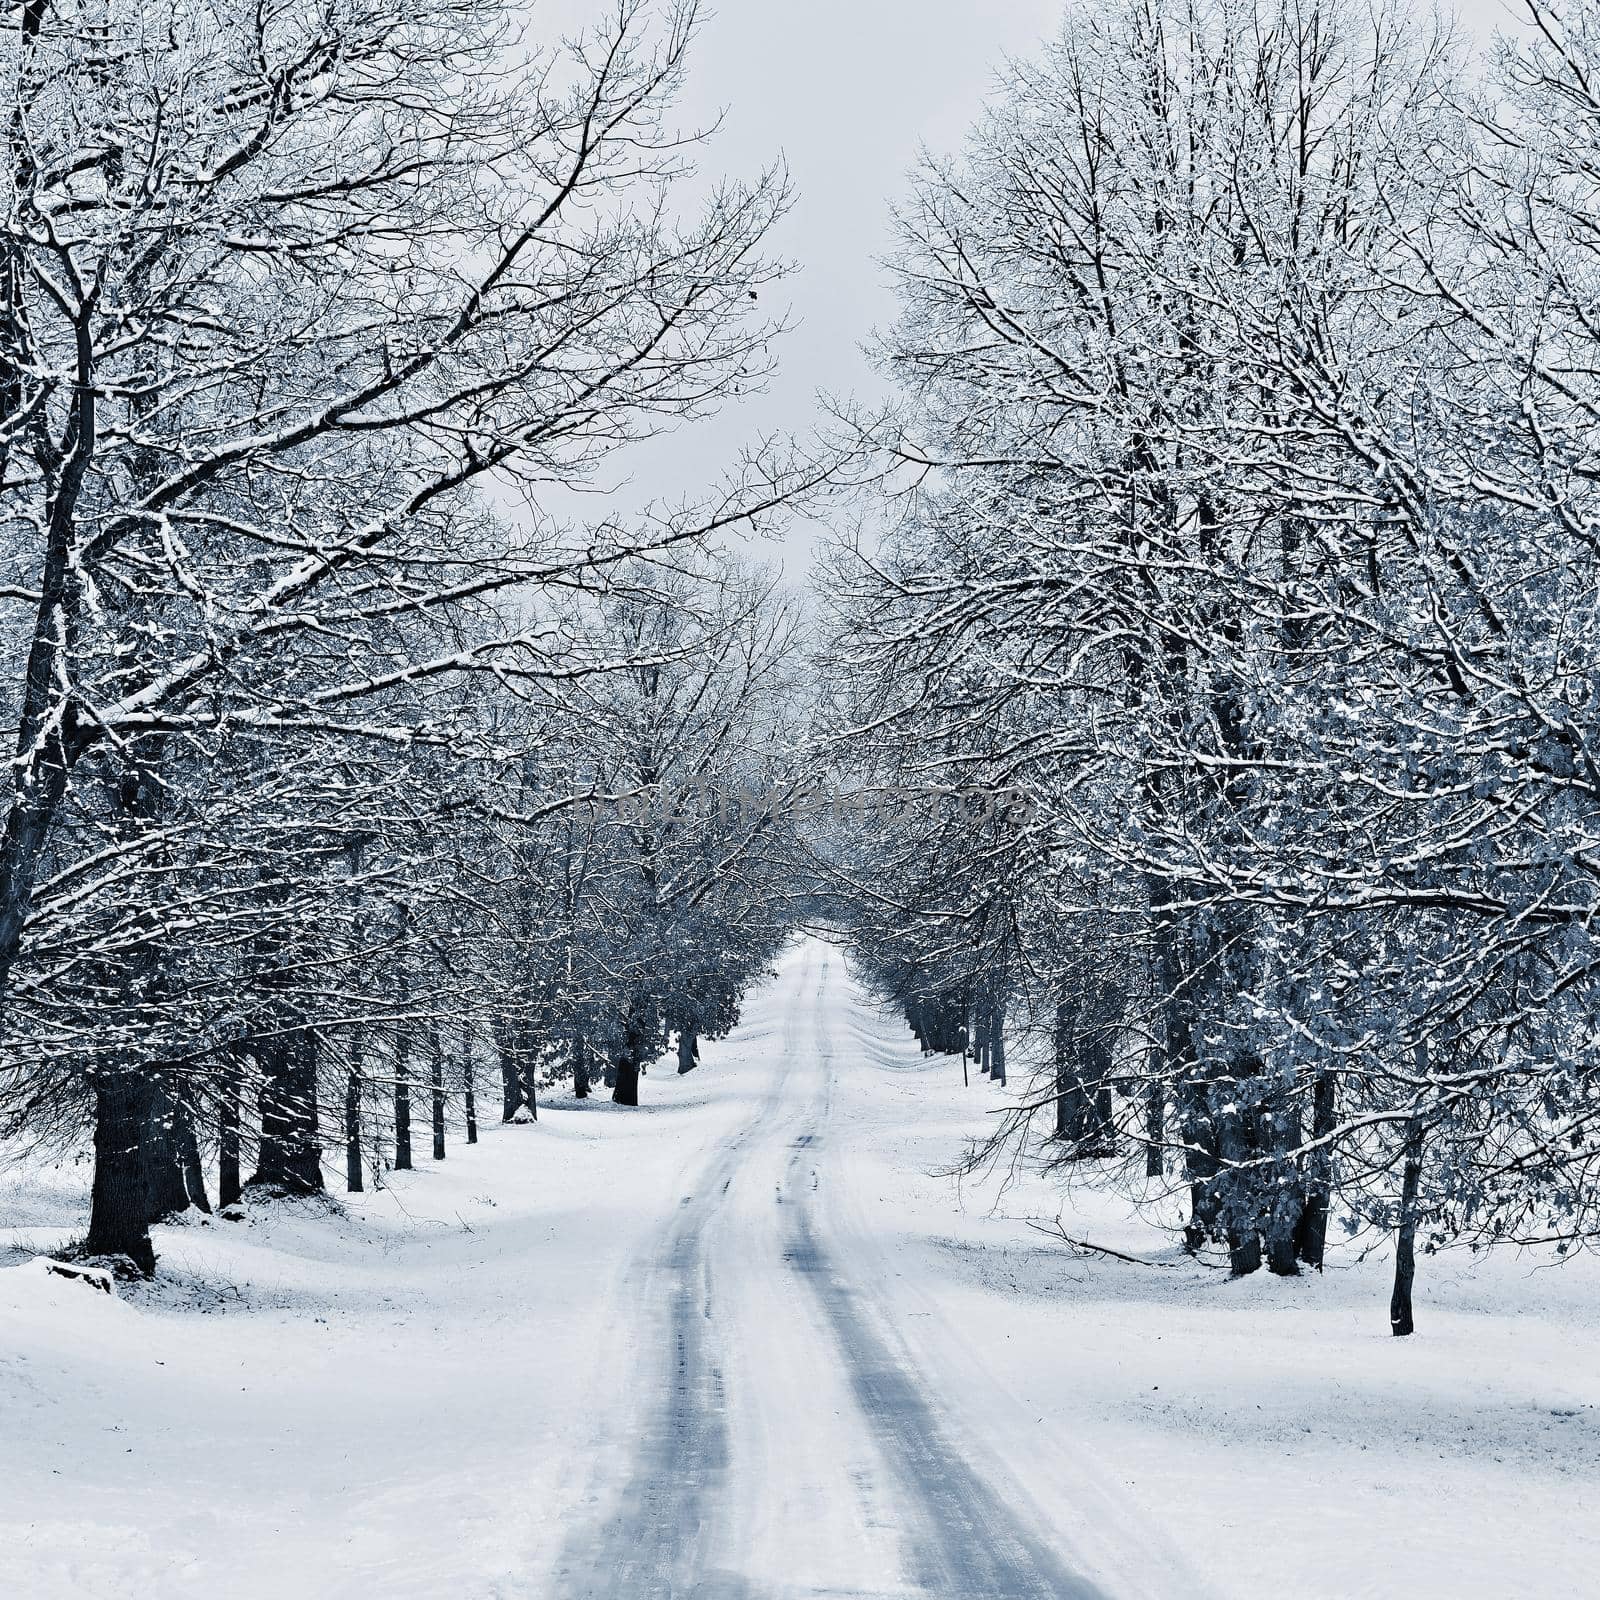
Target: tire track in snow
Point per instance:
(654, 1544)
(651, 1545)
(967, 1543)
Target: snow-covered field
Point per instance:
(746, 1342)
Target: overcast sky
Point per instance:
(846, 92)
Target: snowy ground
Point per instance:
(744, 1343)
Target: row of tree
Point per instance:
(1247, 524)
(336, 788)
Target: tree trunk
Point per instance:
(1200, 1163)
(1173, 1062)
(1286, 1201)
(175, 1176)
(1282, 1258)
(166, 1192)
(688, 1050)
(1155, 1129)
(230, 1183)
(1244, 1251)
(1192, 1093)
(33, 809)
(528, 1056)
(1311, 1235)
(1405, 1265)
(193, 1169)
(119, 1218)
(352, 1118)
(290, 1158)
(1065, 1081)
(1103, 1113)
(580, 1065)
(626, 1091)
(468, 1085)
(997, 1042)
(436, 1084)
(512, 1091)
(1179, 1064)
(402, 1102)
(1235, 1123)
(1083, 1063)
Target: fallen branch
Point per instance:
(1084, 1247)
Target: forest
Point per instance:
(1186, 725)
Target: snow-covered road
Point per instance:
(779, 1419)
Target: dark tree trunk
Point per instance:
(997, 1042)
(528, 1055)
(688, 1050)
(513, 1094)
(33, 809)
(1286, 1203)
(176, 1178)
(1239, 1199)
(436, 1085)
(1200, 1166)
(580, 1065)
(1105, 1128)
(352, 1118)
(1084, 1112)
(469, 1096)
(230, 1182)
(1244, 1251)
(166, 1191)
(1178, 1063)
(193, 1169)
(119, 1218)
(1202, 1137)
(1311, 1236)
(402, 1102)
(1281, 1257)
(1405, 1264)
(290, 1159)
(626, 1090)
(1099, 1068)
(1155, 1129)
(1065, 1079)
(1174, 1070)
(1258, 1202)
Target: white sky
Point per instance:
(846, 92)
